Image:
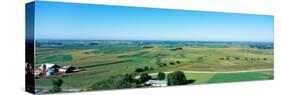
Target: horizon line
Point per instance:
(159, 40)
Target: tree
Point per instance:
(128, 78)
(114, 82)
(252, 59)
(227, 58)
(161, 76)
(123, 81)
(139, 70)
(171, 63)
(200, 58)
(56, 85)
(146, 68)
(178, 62)
(144, 77)
(162, 64)
(177, 78)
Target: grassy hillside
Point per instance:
(102, 61)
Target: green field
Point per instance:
(203, 78)
(102, 61)
(241, 77)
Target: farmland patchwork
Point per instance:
(82, 47)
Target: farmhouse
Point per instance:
(156, 83)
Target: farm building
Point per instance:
(37, 73)
(48, 66)
(157, 83)
(48, 69)
(67, 69)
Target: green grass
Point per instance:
(200, 78)
(58, 58)
(141, 57)
(234, 77)
(203, 78)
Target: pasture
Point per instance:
(105, 60)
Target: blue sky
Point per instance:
(88, 21)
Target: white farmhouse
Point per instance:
(157, 83)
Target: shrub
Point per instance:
(177, 78)
(114, 82)
(139, 70)
(200, 58)
(171, 63)
(146, 68)
(178, 62)
(56, 85)
(129, 78)
(143, 78)
(161, 76)
(162, 64)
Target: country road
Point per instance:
(244, 71)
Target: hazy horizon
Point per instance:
(143, 40)
(88, 21)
